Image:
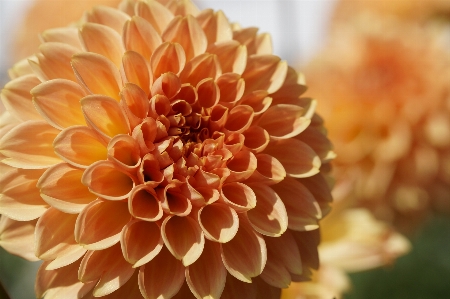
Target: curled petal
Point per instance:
(135, 69)
(256, 139)
(168, 57)
(155, 13)
(219, 222)
(239, 119)
(79, 146)
(58, 101)
(141, 241)
(105, 180)
(162, 277)
(184, 238)
(293, 87)
(260, 102)
(29, 145)
(200, 67)
(108, 16)
(297, 158)
(206, 277)
(19, 198)
(318, 142)
(238, 196)
(61, 188)
(135, 103)
(17, 237)
(168, 84)
(269, 170)
(234, 143)
(264, 72)
(100, 223)
(108, 267)
(174, 202)
(140, 36)
(231, 55)
(241, 166)
(187, 32)
(208, 93)
(245, 255)
(269, 217)
(144, 204)
(150, 172)
(102, 40)
(231, 87)
(302, 209)
(124, 151)
(105, 116)
(97, 74)
(17, 99)
(215, 25)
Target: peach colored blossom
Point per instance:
(388, 115)
(161, 152)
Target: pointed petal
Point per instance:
(29, 145)
(275, 274)
(102, 40)
(168, 84)
(17, 99)
(162, 277)
(260, 102)
(239, 119)
(232, 56)
(17, 237)
(184, 238)
(297, 157)
(219, 222)
(215, 25)
(200, 67)
(65, 35)
(140, 36)
(241, 166)
(97, 74)
(269, 170)
(264, 72)
(286, 251)
(61, 188)
(256, 139)
(19, 198)
(100, 223)
(58, 101)
(238, 196)
(168, 57)
(144, 204)
(108, 16)
(141, 241)
(79, 146)
(135, 69)
(246, 254)
(54, 61)
(318, 142)
(155, 13)
(232, 87)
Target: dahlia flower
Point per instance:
(159, 152)
(389, 116)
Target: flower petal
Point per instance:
(219, 222)
(79, 146)
(246, 254)
(184, 238)
(168, 57)
(97, 74)
(17, 237)
(238, 196)
(235, 288)
(215, 25)
(108, 16)
(269, 216)
(241, 166)
(232, 56)
(141, 241)
(135, 103)
(232, 87)
(61, 188)
(58, 101)
(264, 72)
(256, 139)
(162, 277)
(200, 67)
(123, 150)
(318, 142)
(19, 198)
(17, 99)
(135, 69)
(206, 277)
(140, 36)
(239, 119)
(269, 170)
(155, 13)
(65, 35)
(100, 223)
(287, 252)
(54, 61)
(143, 204)
(297, 157)
(29, 145)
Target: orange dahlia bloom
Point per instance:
(389, 115)
(163, 153)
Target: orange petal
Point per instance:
(55, 240)
(232, 56)
(238, 289)
(187, 32)
(232, 87)
(17, 99)
(200, 67)
(238, 196)
(293, 87)
(155, 13)
(264, 72)
(65, 35)
(275, 274)
(269, 217)
(105, 115)
(140, 36)
(135, 69)
(297, 157)
(301, 206)
(239, 119)
(61, 188)
(141, 241)
(269, 170)
(79, 146)
(219, 222)
(105, 180)
(145, 134)
(319, 142)
(135, 103)
(259, 101)
(58, 101)
(245, 255)
(241, 166)
(100, 223)
(29, 145)
(108, 16)
(97, 74)
(168, 84)
(21, 68)
(102, 40)
(144, 204)
(54, 61)
(17, 237)
(129, 290)
(321, 189)
(206, 277)
(19, 198)
(162, 277)
(215, 25)
(286, 251)
(256, 139)
(168, 57)
(208, 93)
(184, 238)
(108, 267)
(124, 151)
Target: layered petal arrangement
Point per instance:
(389, 116)
(157, 151)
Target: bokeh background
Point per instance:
(299, 29)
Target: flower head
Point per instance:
(164, 153)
